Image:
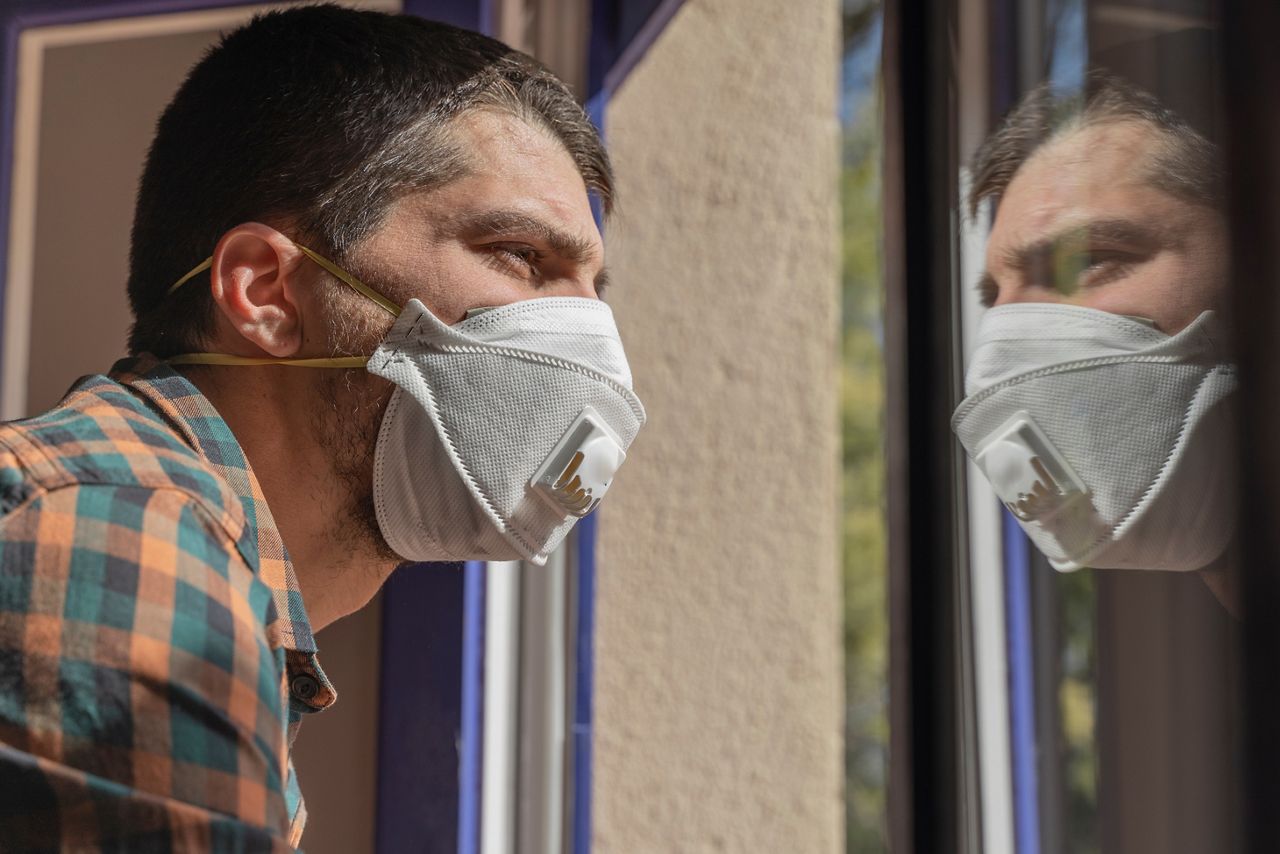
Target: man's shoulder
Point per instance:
(139, 667)
(102, 433)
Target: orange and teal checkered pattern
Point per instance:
(150, 629)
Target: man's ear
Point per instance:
(253, 280)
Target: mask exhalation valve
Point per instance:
(578, 471)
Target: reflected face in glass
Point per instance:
(1084, 223)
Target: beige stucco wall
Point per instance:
(718, 705)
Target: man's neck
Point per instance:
(273, 423)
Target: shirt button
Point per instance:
(304, 686)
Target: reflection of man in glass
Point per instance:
(1113, 207)
(1095, 386)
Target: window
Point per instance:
(1063, 302)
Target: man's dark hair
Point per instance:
(1187, 165)
(315, 120)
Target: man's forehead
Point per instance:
(1097, 171)
(492, 131)
(500, 147)
(1088, 160)
(517, 174)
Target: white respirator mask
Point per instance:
(1104, 437)
(503, 430)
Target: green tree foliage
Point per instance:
(1077, 705)
(862, 423)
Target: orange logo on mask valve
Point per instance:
(578, 471)
(1044, 499)
(569, 492)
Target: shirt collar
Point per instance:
(260, 544)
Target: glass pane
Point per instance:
(1099, 388)
(862, 412)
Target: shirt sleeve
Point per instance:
(140, 704)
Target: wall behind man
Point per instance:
(718, 709)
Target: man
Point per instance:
(393, 350)
(1099, 389)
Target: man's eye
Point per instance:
(1088, 269)
(1099, 267)
(523, 259)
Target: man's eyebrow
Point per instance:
(1122, 231)
(500, 223)
(1030, 255)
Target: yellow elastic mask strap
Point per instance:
(329, 267)
(199, 268)
(350, 280)
(334, 362)
(223, 359)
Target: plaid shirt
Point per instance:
(155, 656)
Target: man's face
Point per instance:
(1083, 224)
(517, 226)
